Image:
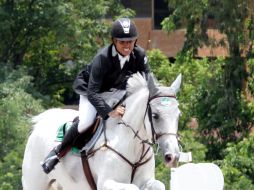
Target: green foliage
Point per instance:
(190, 143)
(50, 40)
(190, 17)
(235, 19)
(16, 108)
(10, 167)
(194, 72)
(238, 165)
(203, 96)
(224, 115)
(54, 39)
(251, 75)
(23, 22)
(220, 114)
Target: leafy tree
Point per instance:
(10, 178)
(238, 166)
(16, 108)
(25, 24)
(54, 39)
(223, 99)
(22, 23)
(194, 72)
(50, 40)
(250, 102)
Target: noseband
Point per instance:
(156, 136)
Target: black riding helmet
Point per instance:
(123, 29)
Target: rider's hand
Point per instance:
(118, 112)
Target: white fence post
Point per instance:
(200, 176)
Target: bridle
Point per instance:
(156, 136)
(144, 153)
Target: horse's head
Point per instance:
(159, 106)
(164, 114)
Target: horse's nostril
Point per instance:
(168, 158)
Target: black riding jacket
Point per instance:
(104, 72)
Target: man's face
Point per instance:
(124, 47)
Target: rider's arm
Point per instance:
(97, 74)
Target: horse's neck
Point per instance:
(136, 108)
(148, 127)
(133, 119)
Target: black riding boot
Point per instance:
(58, 152)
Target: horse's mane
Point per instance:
(136, 82)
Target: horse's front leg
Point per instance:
(113, 185)
(153, 184)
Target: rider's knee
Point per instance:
(83, 125)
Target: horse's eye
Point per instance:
(155, 116)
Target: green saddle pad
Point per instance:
(62, 130)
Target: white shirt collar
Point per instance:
(122, 59)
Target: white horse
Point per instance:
(127, 162)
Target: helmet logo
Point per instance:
(126, 25)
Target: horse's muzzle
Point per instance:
(171, 160)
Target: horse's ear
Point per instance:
(176, 84)
(152, 85)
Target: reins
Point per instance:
(134, 166)
(136, 135)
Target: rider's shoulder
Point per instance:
(139, 50)
(103, 52)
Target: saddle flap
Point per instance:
(99, 130)
(86, 139)
(89, 136)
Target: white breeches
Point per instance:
(87, 113)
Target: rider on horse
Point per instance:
(110, 68)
